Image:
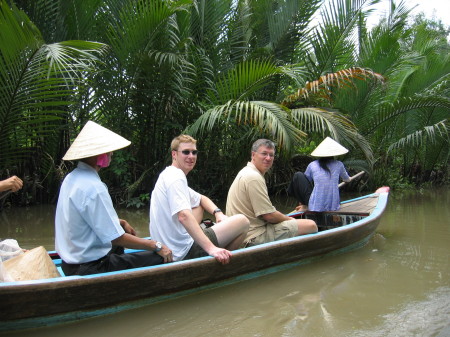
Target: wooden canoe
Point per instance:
(32, 304)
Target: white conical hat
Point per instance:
(329, 148)
(35, 264)
(93, 140)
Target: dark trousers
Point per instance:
(300, 188)
(115, 260)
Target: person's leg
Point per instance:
(114, 261)
(288, 229)
(196, 250)
(132, 260)
(232, 231)
(300, 188)
(306, 226)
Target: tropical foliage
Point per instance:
(227, 72)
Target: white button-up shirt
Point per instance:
(85, 221)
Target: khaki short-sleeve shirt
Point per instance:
(248, 195)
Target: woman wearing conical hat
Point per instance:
(323, 174)
(86, 225)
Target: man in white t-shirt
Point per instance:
(176, 211)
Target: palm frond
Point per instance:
(209, 18)
(334, 124)
(135, 26)
(342, 78)
(428, 134)
(388, 111)
(333, 41)
(358, 165)
(46, 16)
(36, 81)
(244, 80)
(440, 86)
(266, 117)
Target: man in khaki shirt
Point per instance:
(248, 195)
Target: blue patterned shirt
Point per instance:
(325, 195)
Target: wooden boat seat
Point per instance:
(349, 212)
(362, 206)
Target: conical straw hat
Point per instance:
(34, 264)
(329, 148)
(93, 140)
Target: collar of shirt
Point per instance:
(83, 166)
(253, 167)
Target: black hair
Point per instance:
(323, 163)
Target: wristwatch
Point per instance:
(217, 210)
(158, 246)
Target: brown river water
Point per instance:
(397, 285)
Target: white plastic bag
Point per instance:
(9, 248)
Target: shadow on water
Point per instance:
(397, 285)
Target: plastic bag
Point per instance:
(9, 248)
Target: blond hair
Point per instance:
(181, 139)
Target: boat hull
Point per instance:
(47, 302)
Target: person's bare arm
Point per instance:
(275, 217)
(209, 206)
(127, 227)
(134, 242)
(187, 219)
(13, 183)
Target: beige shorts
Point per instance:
(274, 232)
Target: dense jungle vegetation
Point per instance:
(227, 72)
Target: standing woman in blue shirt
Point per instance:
(318, 187)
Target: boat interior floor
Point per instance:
(330, 220)
(348, 213)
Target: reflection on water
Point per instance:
(31, 227)
(398, 285)
(34, 226)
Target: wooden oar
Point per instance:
(352, 178)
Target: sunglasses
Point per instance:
(186, 152)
